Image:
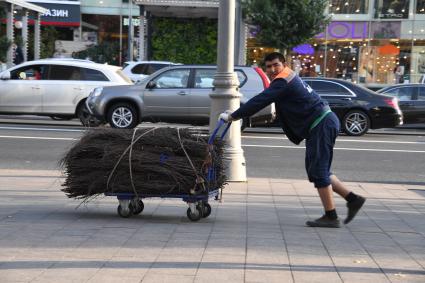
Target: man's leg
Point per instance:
(354, 202)
(338, 187)
(327, 198)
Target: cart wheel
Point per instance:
(125, 213)
(138, 207)
(194, 216)
(207, 209)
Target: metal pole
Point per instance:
(25, 34)
(9, 32)
(130, 31)
(120, 53)
(225, 93)
(37, 36)
(142, 33)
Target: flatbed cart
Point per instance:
(131, 204)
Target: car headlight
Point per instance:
(97, 91)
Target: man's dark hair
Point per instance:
(275, 55)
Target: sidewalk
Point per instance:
(256, 234)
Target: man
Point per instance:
(304, 115)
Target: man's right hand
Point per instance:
(226, 116)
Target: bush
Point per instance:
(4, 46)
(189, 41)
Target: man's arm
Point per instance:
(261, 100)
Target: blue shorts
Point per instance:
(319, 150)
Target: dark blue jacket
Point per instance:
(297, 105)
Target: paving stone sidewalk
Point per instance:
(257, 234)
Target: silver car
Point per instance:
(174, 94)
(55, 87)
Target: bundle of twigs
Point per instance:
(152, 161)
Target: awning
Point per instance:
(26, 5)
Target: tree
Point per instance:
(285, 24)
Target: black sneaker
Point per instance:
(324, 222)
(353, 208)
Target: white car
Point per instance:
(138, 70)
(55, 87)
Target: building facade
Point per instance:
(371, 42)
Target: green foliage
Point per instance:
(105, 52)
(188, 41)
(47, 46)
(4, 46)
(285, 24)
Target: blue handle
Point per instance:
(220, 123)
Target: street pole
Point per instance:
(130, 31)
(225, 95)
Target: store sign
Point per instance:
(345, 30)
(60, 14)
(392, 9)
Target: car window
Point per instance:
(329, 88)
(93, 75)
(241, 77)
(33, 72)
(152, 68)
(173, 79)
(204, 78)
(402, 93)
(421, 95)
(65, 73)
(139, 69)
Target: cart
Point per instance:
(131, 204)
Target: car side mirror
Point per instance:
(5, 75)
(151, 85)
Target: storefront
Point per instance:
(64, 16)
(374, 43)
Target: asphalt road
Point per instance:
(387, 156)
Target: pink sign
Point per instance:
(346, 30)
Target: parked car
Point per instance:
(174, 94)
(358, 109)
(55, 87)
(138, 70)
(411, 100)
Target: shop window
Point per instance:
(420, 7)
(392, 9)
(348, 6)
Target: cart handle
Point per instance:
(220, 123)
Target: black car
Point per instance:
(411, 100)
(359, 109)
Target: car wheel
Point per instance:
(122, 116)
(356, 123)
(86, 118)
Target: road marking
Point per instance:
(38, 138)
(338, 140)
(41, 129)
(336, 148)
(244, 145)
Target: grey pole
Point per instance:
(25, 34)
(9, 32)
(142, 33)
(130, 31)
(225, 95)
(37, 36)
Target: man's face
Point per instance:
(273, 68)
